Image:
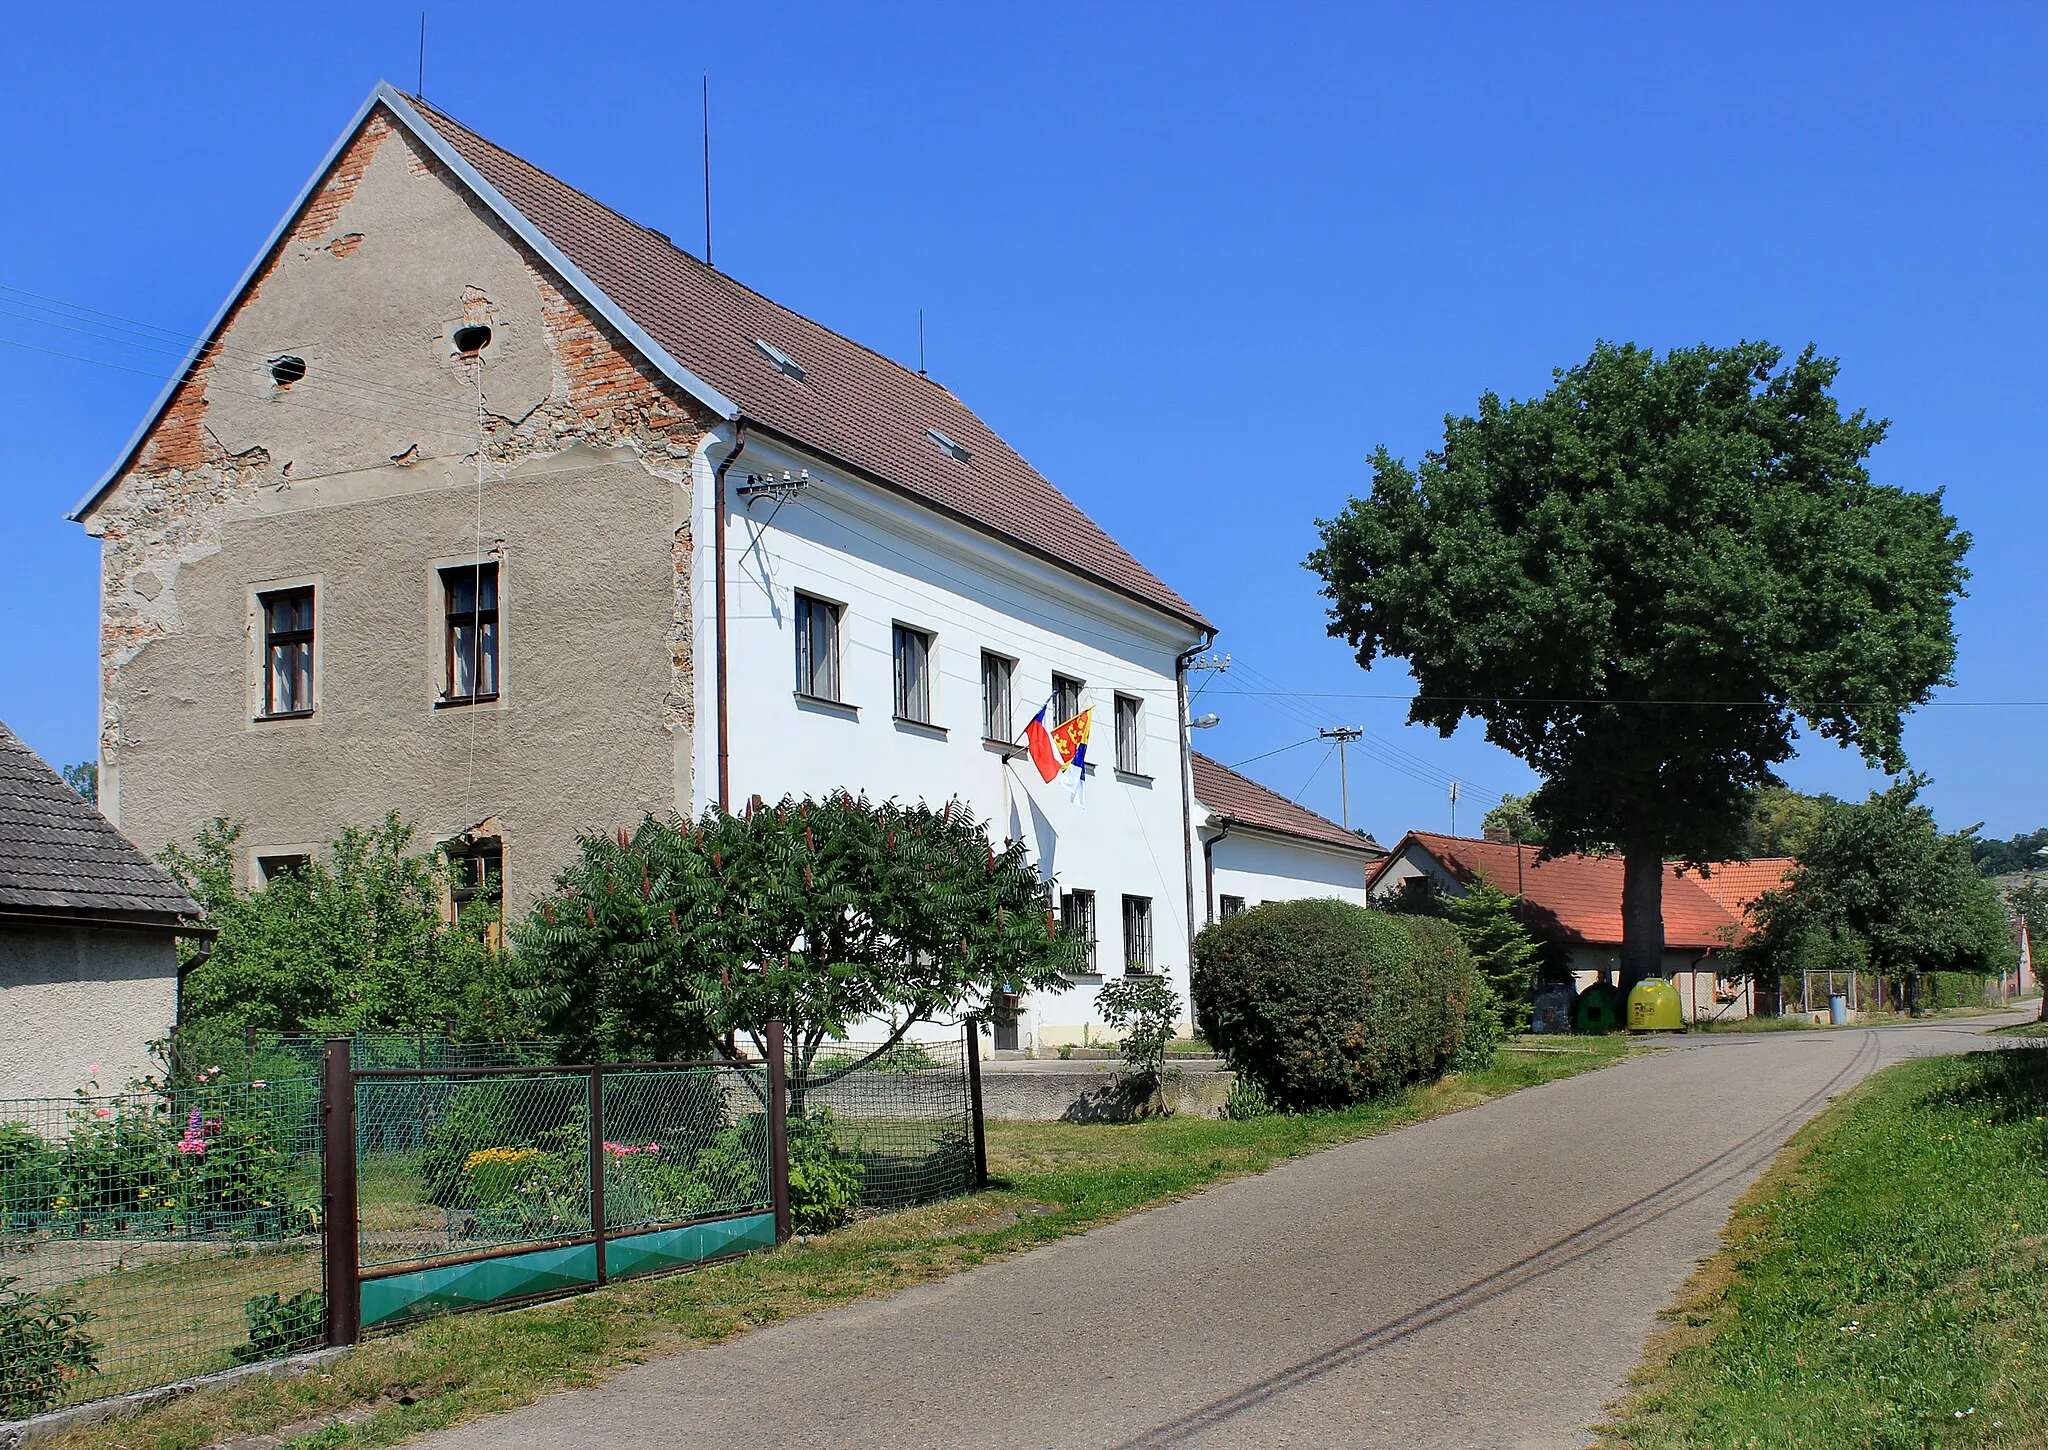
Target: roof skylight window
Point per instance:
(784, 363)
(957, 452)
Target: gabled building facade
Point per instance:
(484, 503)
(1258, 846)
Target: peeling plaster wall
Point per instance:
(554, 450)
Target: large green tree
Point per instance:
(1878, 884)
(1641, 582)
(818, 913)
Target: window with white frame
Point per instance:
(817, 648)
(1077, 915)
(1130, 721)
(1138, 934)
(997, 675)
(912, 649)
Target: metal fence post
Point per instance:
(974, 1101)
(597, 1166)
(778, 1128)
(338, 1170)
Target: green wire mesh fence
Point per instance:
(147, 1236)
(904, 1114)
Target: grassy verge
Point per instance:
(1885, 1285)
(1052, 1179)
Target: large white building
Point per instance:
(485, 503)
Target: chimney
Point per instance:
(1497, 834)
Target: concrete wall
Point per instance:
(885, 562)
(554, 452)
(73, 997)
(1262, 868)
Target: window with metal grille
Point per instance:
(1077, 915)
(996, 720)
(1138, 934)
(1229, 906)
(1066, 698)
(469, 594)
(817, 648)
(912, 649)
(287, 652)
(1129, 731)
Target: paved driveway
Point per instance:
(1486, 1279)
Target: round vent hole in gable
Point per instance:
(469, 341)
(286, 370)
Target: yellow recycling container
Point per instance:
(1653, 1007)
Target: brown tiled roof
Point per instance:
(1243, 801)
(1578, 898)
(1737, 884)
(853, 405)
(61, 857)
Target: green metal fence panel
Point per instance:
(904, 1113)
(151, 1235)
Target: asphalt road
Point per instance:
(1485, 1279)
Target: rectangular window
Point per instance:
(817, 648)
(1230, 906)
(1138, 934)
(1066, 699)
(287, 652)
(912, 649)
(469, 594)
(996, 721)
(1077, 915)
(272, 867)
(1129, 726)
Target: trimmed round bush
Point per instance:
(1324, 1004)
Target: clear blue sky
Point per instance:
(1194, 262)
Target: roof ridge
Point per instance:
(696, 261)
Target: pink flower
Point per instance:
(101, 1113)
(94, 1069)
(258, 1083)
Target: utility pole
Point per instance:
(1343, 735)
(1454, 808)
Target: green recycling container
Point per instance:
(1653, 1007)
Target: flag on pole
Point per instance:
(1070, 742)
(1039, 742)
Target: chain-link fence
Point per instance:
(147, 1236)
(488, 1186)
(905, 1114)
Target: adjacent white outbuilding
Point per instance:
(1258, 846)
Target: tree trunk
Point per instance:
(1642, 916)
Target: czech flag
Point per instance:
(1039, 740)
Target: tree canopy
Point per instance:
(817, 913)
(1879, 885)
(2009, 858)
(357, 940)
(1642, 582)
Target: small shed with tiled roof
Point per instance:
(88, 960)
(1259, 846)
(1574, 902)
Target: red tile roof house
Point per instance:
(1259, 846)
(1575, 901)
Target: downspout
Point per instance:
(739, 446)
(1187, 788)
(1209, 869)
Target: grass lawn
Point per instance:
(1051, 1179)
(1885, 1285)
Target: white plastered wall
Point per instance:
(1260, 868)
(72, 998)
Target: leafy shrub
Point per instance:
(1143, 1010)
(1951, 989)
(1247, 1099)
(280, 1326)
(1327, 1004)
(824, 1179)
(30, 1172)
(117, 1164)
(43, 1346)
(477, 1116)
